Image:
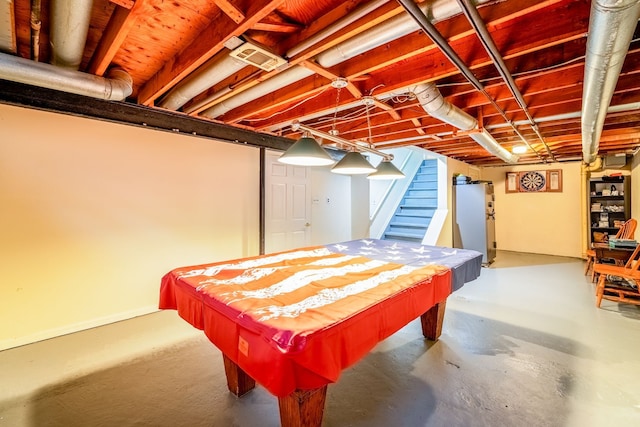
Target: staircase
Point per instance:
(412, 218)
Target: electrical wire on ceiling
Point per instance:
(288, 109)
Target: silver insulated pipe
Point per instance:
(69, 27)
(437, 107)
(117, 87)
(611, 27)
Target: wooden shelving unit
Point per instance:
(609, 205)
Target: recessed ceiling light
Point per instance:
(519, 149)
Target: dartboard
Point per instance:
(532, 181)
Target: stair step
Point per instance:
(418, 206)
(401, 224)
(417, 211)
(405, 235)
(412, 217)
(426, 204)
(431, 196)
(424, 180)
(424, 185)
(426, 193)
(414, 214)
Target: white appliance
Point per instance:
(474, 218)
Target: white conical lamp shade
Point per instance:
(306, 152)
(386, 170)
(353, 164)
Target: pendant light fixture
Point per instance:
(306, 152)
(353, 163)
(386, 170)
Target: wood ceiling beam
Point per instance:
(434, 65)
(280, 101)
(379, 15)
(210, 42)
(230, 10)
(126, 4)
(122, 21)
(425, 67)
(276, 27)
(374, 18)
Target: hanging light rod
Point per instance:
(335, 138)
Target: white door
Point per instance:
(287, 205)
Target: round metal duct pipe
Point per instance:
(437, 107)
(115, 88)
(202, 79)
(611, 27)
(69, 27)
(279, 81)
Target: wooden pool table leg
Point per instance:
(238, 381)
(432, 321)
(303, 408)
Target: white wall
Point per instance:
(543, 223)
(330, 206)
(94, 213)
(454, 167)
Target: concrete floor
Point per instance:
(523, 345)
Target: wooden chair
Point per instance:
(627, 231)
(619, 283)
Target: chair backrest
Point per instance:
(628, 229)
(634, 260)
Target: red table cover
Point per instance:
(296, 319)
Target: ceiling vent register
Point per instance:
(255, 55)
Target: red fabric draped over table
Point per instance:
(295, 320)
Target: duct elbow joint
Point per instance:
(121, 85)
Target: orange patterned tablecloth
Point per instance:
(296, 319)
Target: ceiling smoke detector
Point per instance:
(253, 54)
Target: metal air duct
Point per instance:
(357, 13)
(436, 106)
(117, 87)
(70, 22)
(389, 30)
(69, 27)
(281, 80)
(367, 40)
(611, 27)
(202, 79)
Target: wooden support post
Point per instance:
(238, 381)
(303, 408)
(432, 321)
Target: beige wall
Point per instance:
(546, 223)
(94, 213)
(543, 223)
(454, 167)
